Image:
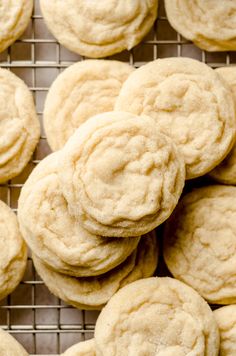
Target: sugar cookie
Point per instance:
(13, 255)
(200, 242)
(91, 88)
(9, 346)
(94, 292)
(99, 28)
(226, 171)
(191, 104)
(85, 348)
(156, 316)
(14, 18)
(209, 24)
(226, 320)
(19, 125)
(120, 175)
(55, 236)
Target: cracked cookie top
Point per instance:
(120, 175)
(200, 242)
(158, 317)
(92, 87)
(190, 103)
(19, 125)
(99, 28)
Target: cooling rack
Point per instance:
(41, 322)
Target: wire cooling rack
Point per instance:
(42, 323)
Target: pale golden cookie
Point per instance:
(209, 24)
(19, 125)
(200, 242)
(94, 292)
(226, 320)
(99, 28)
(120, 175)
(55, 236)
(13, 252)
(9, 346)
(85, 348)
(14, 18)
(156, 317)
(190, 103)
(91, 88)
(226, 171)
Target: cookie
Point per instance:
(99, 28)
(85, 348)
(92, 87)
(156, 316)
(55, 236)
(225, 172)
(13, 254)
(14, 18)
(190, 103)
(120, 175)
(19, 125)
(200, 242)
(209, 24)
(9, 345)
(94, 292)
(226, 320)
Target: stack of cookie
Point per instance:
(87, 211)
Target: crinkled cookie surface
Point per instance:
(14, 18)
(85, 348)
(13, 252)
(58, 238)
(9, 346)
(190, 103)
(209, 24)
(165, 317)
(92, 87)
(226, 320)
(225, 172)
(99, 28)
(120, 175)
(200, 242)
(94, 292)
(19, 125)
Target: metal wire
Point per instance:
(42, 323)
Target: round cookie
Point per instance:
(92, 87)
(200, 242)
(225, 172)
(14, 18)
(99, 28)
(209, 24)
(94, 292)
(9, 346)
(156, 316)
(190, 103)
(13, 255)
(226, 320)
(85, 348)
(19, 125)
(120, 175)
(55, 236)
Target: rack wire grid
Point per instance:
(42, 323)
